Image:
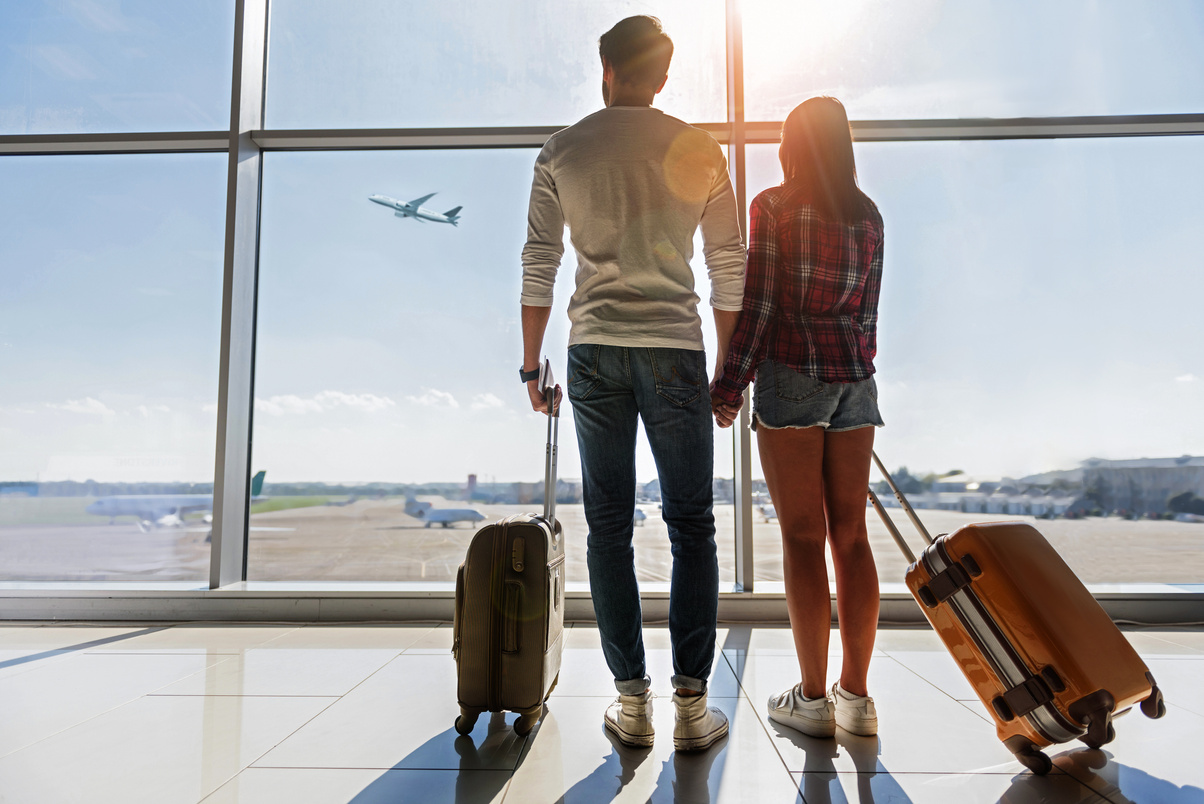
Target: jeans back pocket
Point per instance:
(678, 374)
(583, 370)
(795, 386)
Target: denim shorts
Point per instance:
(783, 397)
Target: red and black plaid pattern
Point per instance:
(810, 294)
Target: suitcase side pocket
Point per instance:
(512, 613)
(554, 621)
(458, 614)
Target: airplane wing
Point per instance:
(417, 202)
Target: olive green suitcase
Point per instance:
(509, 619)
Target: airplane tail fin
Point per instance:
(453, 213)
(257, 483)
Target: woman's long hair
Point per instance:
(817, 154)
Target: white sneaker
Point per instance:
(629, 718)
(814, 717)
(698, 726)
(854, 713)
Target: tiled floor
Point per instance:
(250, 714)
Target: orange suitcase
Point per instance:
(1042, 655)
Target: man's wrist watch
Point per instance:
(527, 376)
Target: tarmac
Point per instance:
(375, 540)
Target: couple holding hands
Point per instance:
(796, 316)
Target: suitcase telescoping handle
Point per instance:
(906, 506)
(547, 385)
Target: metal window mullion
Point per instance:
(741, 434)
(117, 143)
(236, 383)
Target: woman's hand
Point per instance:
(724, 412)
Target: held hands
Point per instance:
(725, 413)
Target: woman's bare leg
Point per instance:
(793, 460)
(846, 478)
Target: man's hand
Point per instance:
(725, 413)
(539, 401)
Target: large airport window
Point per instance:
(1039, 352)
(388, 414)
(382, 64)
(102, 66)
(984, 58)
(109, 340)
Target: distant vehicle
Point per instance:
(639, 517)
(415, 210)
(162, 510)
(768, 511)
(443, 516)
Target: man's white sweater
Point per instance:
(633, 184)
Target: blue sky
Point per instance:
(1040, 303)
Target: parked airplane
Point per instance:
(162, 510)
(415, 210)
(443, 516)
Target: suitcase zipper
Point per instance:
(497, 574)
(1007, 665)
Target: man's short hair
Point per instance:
(639, 50)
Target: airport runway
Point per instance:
(374, 540)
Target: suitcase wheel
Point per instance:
(1036, 761)
(467, 720)
(1029, 755)
(1091, 741)
(1154, 706)
(523, 726)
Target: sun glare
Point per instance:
(804, 32)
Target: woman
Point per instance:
(808, 330)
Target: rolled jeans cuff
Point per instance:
(688, 683)
(633, 686)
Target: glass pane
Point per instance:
(382, 64)
(104, 65)
(387, 365)
(974, 58)
(1039, 313)
(109, 339)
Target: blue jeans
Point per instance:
(610, 388)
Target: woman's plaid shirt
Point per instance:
(810, 294)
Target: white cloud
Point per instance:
(147, 410)
(433, 398)
(208, 408)
(486, 401)
(364, 402)
(285, 404)
(1186, 378)
(87, 405)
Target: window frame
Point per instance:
(246, 141)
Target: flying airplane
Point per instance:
(162, 510)
(443, 516)
(415, 210)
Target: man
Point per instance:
(633, 185)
